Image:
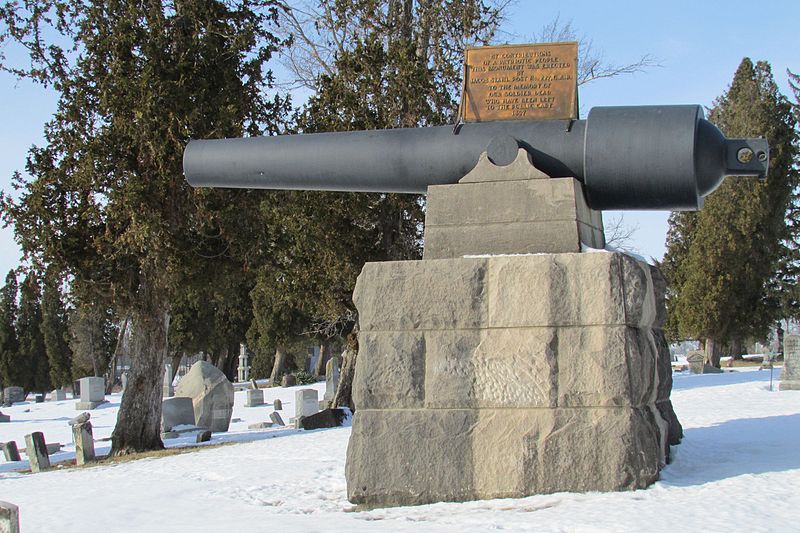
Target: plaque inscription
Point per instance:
(520, 82)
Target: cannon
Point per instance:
(639, 157)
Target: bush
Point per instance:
(304, 378)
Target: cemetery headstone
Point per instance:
(13, 395)
(9, 518)
(176, 411)
(5, 418)
(211, 394)
(10, 451)
(790, 375)
(254, 398)
(276, 419)
(93, 393)
(327, 418)
(36, 449)
(289, 380)
(696, 360)
(331, 379)
(53, 447)
(277, 404)
(39, 398)
(84, 443)
(306, 402)
(58, 395)
(203, 436)
(168, 389)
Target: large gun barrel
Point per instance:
(644, 157)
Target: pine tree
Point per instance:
(10, 366)
(32, 352)
(55, 333)
(108, 204)
(722, 261)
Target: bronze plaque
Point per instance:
(520, 82)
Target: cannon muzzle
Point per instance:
(645, 157)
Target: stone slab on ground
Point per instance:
(276, 419)
(9, 518)
(260, 425)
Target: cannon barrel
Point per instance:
(642, 157)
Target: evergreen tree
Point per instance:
(55, 334)
(10, 367)
(721, 262)
(31, 342)
(108, 204)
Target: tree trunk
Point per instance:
(138, 427)
(344, 392)
(277, 367)
(111, 373)
(713, 352)
(737, 349)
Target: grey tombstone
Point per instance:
(176, 411)
(13, 395)
(790, 375)
(92, 391)
(277, 404)
(203, 436)
(58, 395)
(11, 451)
(36, 449)
(84, 443)
(289, 380)
(211, 394)
(53, 447)
(331, 379)
(254, 398)
(276, 419)
(169, 391)
(696, 360)
(5, 418)
(306, 402)
(9, 518)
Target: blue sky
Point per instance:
(698, 44)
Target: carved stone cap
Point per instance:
(521, 169)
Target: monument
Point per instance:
(243, 370)
(790, 375)
(507, 362)
(92, 393)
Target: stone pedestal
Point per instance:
(790, 375)
(508, 376)
(254, 398)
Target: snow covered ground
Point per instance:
(738, 469)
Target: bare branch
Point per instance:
(619, 234)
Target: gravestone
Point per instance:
(327, 418)
(36, 450)
(84, 443)
(58, 395)
(53, 447)
(176, 411)
(39, 398)
(254, 398)
(203, 436)
(276, 419)
(790, 375)
(277, 404)
(92, 391)
(10, 451)
(9, 518)
(211, 394)
(306, 402)
(168, 391)
(331, 379)
(696, 360)
(4, 418)
(289, 380)
(13, 395)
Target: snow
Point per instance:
(738, 469)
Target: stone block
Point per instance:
(58, 395)
(790, 374)
(10, 451)
(327, 418)
(277, 404)
(447, 294)
(176, 411)
(306, 402)
(696, 360)
(4, 418)
(289, 380)
(9, 518)
(276, 419)
(93, 389)
(254, 397)
(84, 443)
(36, 450)
(203, 436)
(391, 373)
(13, 395)
(331, 378)
(533, 451)
(53, 447)
(211, 394)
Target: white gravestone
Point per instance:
(306, 402)
(254, 398)
(790, 375)
(93, 393)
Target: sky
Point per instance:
(698, 46)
